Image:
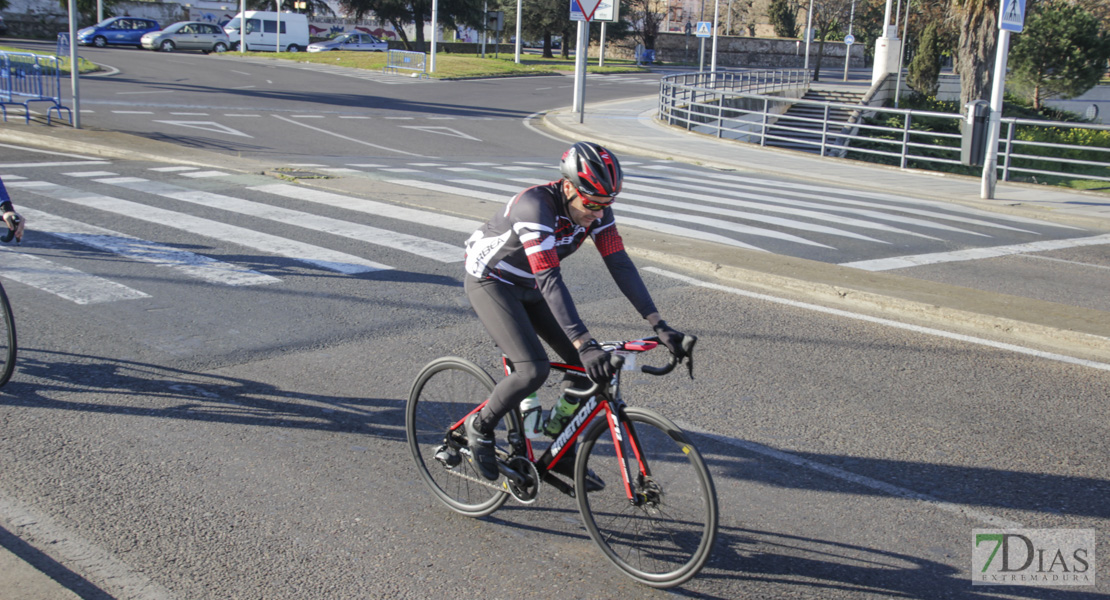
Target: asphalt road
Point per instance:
(201, 437)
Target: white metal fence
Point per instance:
(749, 107)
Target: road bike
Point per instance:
(656, 521)
(7, 323)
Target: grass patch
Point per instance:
(63, 64)
(454, 66)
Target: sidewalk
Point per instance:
(628, 126)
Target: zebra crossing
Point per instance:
(734, 210)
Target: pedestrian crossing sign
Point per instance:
(703, 29)
(1012, 15)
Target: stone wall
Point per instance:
(742, 52)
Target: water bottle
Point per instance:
(532, 412)
(560, 415)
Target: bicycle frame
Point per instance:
(595, 400)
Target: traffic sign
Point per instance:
(849, 39)
(1012, 15)
(703, 29)
(583, 10)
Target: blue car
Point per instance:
(126, 31)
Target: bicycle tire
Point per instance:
(668, 539)
(7, 354)
(443, 393)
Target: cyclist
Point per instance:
(12, 219)
(515, 285)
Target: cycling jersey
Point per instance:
(524, 244)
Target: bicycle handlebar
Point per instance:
(617, 362)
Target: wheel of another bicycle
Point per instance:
(443, 393)
(7, 338)
(667, 538)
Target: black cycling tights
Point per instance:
(517, 318)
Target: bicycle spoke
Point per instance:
(444, 392)
(666, 538)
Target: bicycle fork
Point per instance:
(626, 445)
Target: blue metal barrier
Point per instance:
(27, 78)
(409, 61)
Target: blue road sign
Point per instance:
(704, 29)
(1012, 15)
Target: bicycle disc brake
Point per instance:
(524, 495)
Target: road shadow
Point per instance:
(62, 575)
(156, 391)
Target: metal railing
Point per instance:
(753, 111)
(27, 78)
(417, 62)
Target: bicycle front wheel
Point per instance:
(7, 339)
(663, 536)
(444, 392)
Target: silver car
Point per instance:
(188, 35)
(351, 41)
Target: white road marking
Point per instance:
(173, 169)
(885, 322)
(76, 286)
(902, 262)
(207, 126)
(193, 265)
(830, 203)
(79, 163)
(412, 244)
(796, 209)
(90, 174)
(441, 131)
(667, 216)
(823, 193)
(381, 209)
(272, 244)
(344, 137)
(204, 174)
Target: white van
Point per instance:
(263, 32)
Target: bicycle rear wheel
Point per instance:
(665, 539)
(444, 392)
(7, 339)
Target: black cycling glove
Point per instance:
(596, 362)
(671, 339)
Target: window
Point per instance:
(271, 26)
(254, 25)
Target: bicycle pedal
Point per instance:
(447, 457)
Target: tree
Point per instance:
(399, 13)
(646, 17)
(978, 27)
(541, 19)
(86, 9)
(315, 7)
(924, 71)
(828, 15)
(783, 15)
(1062, 52)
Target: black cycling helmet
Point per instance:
(592, 170)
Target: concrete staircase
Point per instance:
(803, 122)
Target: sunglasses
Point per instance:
(590, 204)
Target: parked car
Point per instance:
(264, 32)
(126, 31)
(351, 41)
(188, 35)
